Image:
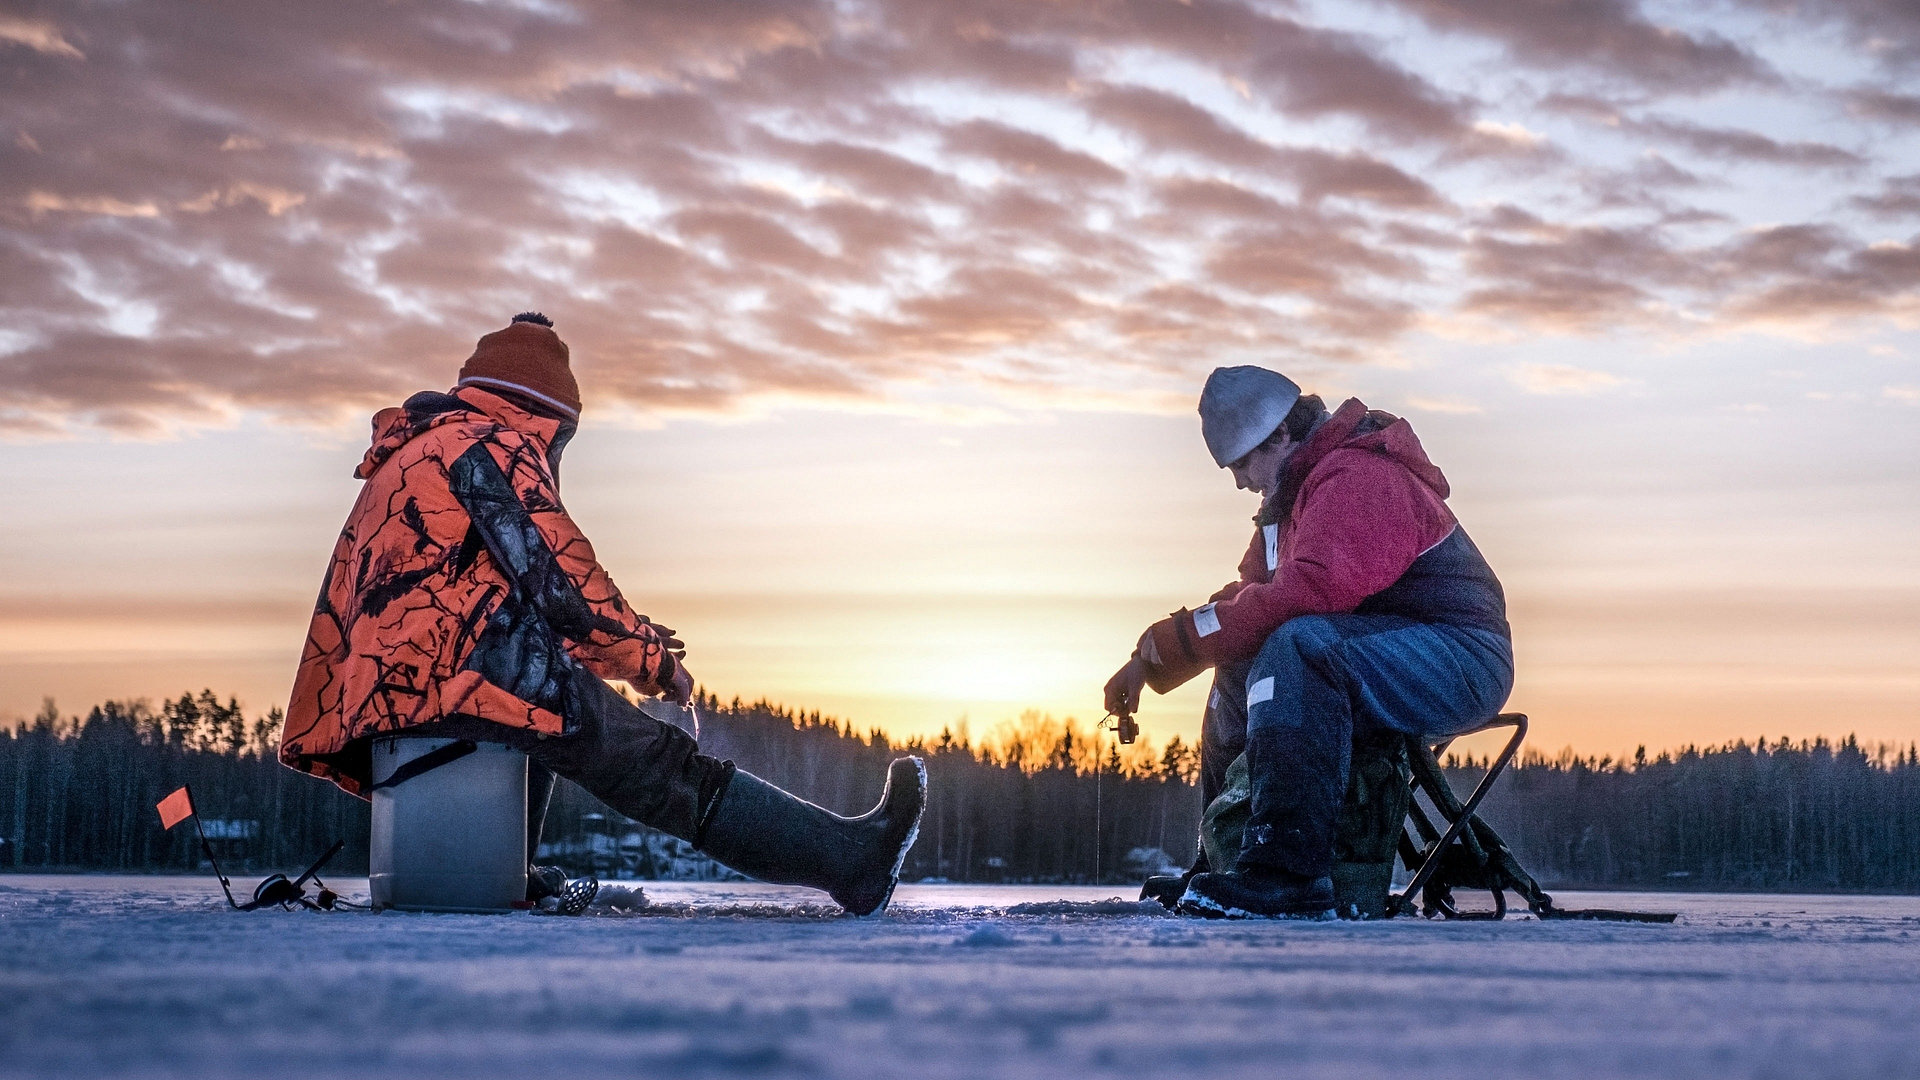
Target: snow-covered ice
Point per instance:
(151, 976)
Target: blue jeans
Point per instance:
(1317, 683)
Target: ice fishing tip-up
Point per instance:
(276, 890)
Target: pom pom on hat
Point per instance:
(529, 358)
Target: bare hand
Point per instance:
(1123, 690)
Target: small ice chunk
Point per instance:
(620, 898)
(988, 937)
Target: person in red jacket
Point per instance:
(1361, 606)
(462, 602)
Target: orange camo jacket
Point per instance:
(411, 587)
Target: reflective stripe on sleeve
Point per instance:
(1259, 691)
(1271, 533)
(1205, 621)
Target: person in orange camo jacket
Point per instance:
(462, 602)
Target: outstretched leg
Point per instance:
(654, 773)
(766, 833)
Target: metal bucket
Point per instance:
(453, 838)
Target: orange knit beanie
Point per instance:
(527, 357)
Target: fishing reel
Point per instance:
(1124, 727)
(278, 891)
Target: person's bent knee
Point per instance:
(1305, 637)
(1296, 652)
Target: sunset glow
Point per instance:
(890, 320)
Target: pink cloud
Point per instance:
(305, 211)
(1611, 37)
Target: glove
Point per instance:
(1123, 690)
(667, 639)
(680, 688)
(1167, 651)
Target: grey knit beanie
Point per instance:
(1240, 407)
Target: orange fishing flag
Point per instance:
(175, 808)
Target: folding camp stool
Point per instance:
(1466, 852)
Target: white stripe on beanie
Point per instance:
(484, 381)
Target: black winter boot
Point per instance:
(768, 834)
(1258, 893)
(1168, 888)
(545, 881)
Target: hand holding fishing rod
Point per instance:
(1123, 691)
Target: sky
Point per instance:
(890, 319)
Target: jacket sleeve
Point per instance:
(1358, 526)
(621, 643)
(508, 491)
(1227, 591)
(1253, 567)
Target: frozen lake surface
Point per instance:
(152, 976)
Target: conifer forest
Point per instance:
(1036, 800)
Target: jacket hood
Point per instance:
(395, 427)
(1353, 426)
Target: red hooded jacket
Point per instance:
(1359, 524)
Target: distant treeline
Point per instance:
(1020, 805)
(1815, 815)
(79, 792)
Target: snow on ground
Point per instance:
(151, 976)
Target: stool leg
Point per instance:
(1459, 816)
(539, 794)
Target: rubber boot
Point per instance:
(768, 834)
